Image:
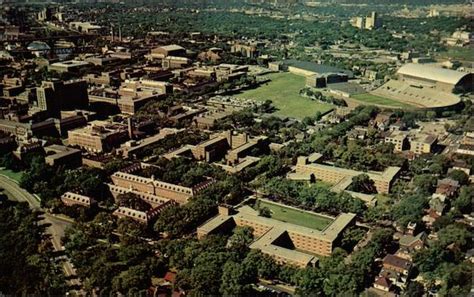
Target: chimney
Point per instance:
(130, 128)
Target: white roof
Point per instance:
(432, 72)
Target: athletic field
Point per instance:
(283, 91)
(369, 99)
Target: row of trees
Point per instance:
(28, 264)
(51, 182)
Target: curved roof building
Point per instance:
(440, 78)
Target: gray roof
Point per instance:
(317, 68)
(432, 73)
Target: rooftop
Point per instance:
(317, 68)
(432, 73)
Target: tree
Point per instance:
(132, 200)
(27, 263)
(241, 238)
(455, 233)
(264, 212)
(363, 184)
(425, 183)
(409, 209)
(237, 280)
(460, 176)
(465, 199)
(135, 278)
(414, 289)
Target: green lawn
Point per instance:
(374, 99)
(458, 53)
(297, 217)
(283, 91)
(11, 174)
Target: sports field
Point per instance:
(368, 98)
(283, 91)
(297, 217)
(458, 53)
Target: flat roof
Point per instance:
(317, 68)
(277, 228)
(265, 244)
(387, 175)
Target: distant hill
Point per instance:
(402, 2)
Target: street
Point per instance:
(56, 225)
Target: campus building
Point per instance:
(422, 143)
(399, 140)
(177, 193)
(60, 155)
(70, 199)
(287, 243)
(162, 52)
(98, 136)
(441, 79)
(54, 96)
(334, 175)
(311, 69)
(231, 146)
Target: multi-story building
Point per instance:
(69, 66)
(249, 50)
(70, 199)
(162, 52)
(60, 155)
(98, 136)
(334, 175)
(24, 131)
(227, 144)
(273, 236)
(422, 143)
(399, 139)
(177, 193)
(373, 21)
(54, 96)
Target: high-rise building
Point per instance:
(373, 21)
(54, 96)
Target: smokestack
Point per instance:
(130, 128)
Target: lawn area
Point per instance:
(297, 217)
(283, 91)
(458, 53)
(11, 174)
(374, 99)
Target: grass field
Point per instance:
(297, 217)
(16, 176)
(377, 100)
(283, 91)
(458, 53)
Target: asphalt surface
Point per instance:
(56, 225)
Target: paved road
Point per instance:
(56, 225)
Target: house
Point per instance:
(437, 204)
(383, 283)
(430, 217)
(399, 125)
(397, 264)
(357, 133)
(381, 121)
(447, 187)
(410, 244)
(396, 269)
